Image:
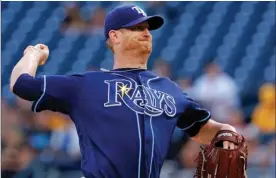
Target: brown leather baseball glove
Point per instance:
(216, 162)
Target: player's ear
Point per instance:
(114, 36)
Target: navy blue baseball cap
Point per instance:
(129, 15)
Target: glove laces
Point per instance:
(200, 160)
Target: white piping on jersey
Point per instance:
(138, 124)
(140, 145)
(151, 80)
(197, 121)
(152, 146)
(152, 133)
(44, 91)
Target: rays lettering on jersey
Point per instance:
(141, 99)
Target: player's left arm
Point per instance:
(197, 123)
(209, 130)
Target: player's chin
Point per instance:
(146, 49)
(147, 46)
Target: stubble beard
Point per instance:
(139, 48)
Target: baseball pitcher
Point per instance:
(124, 117)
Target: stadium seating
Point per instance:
(237, 35)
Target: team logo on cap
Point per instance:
(139, 10)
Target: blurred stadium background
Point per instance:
(221, 53)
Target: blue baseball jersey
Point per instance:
(124, 117)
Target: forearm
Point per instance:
(209, 130)
(27, 64)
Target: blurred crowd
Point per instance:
(75, 22)
(46, 145)
(35, 143)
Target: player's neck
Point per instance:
(127, 61)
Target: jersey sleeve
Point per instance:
(193, 117)
(49, 92)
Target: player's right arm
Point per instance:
(28, 64)
(48, 92)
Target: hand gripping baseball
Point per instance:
(41, 51)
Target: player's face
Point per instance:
(137, 38)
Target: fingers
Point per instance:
(41, 46)
(40, 50)
(28, 49)
(229, 145)
(38, 46)
(225, 144)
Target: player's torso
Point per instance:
(129, 118)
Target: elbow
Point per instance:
(12, 83)
(11, 88)
(13, 80)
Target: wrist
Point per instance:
(228, 127)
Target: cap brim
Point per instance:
(155, 22)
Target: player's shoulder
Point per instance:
(170, 84)
(164, 78)
(177, 90)
(89, 73)
(95, 75)
(99, 73)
